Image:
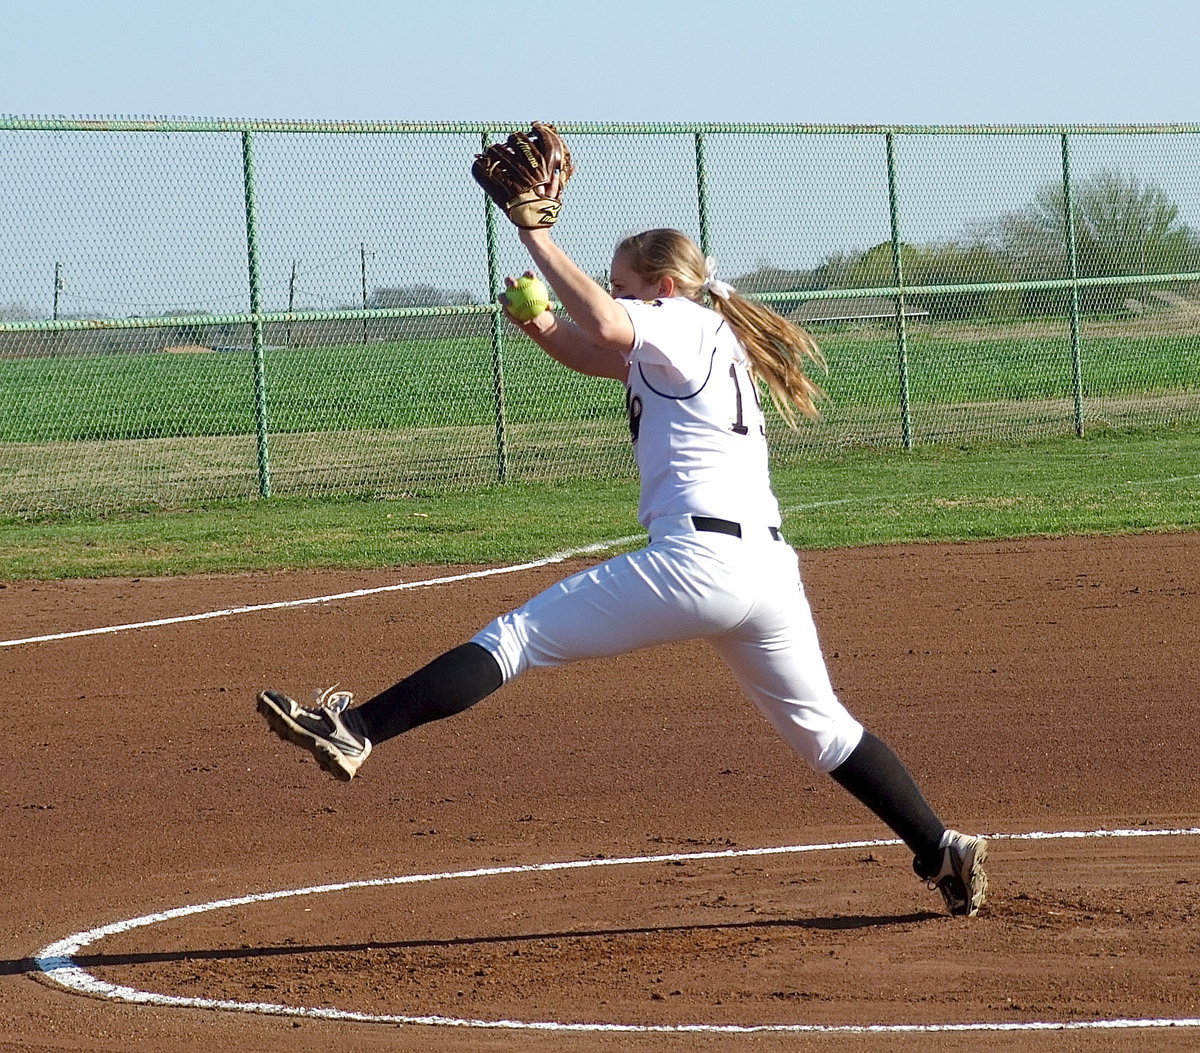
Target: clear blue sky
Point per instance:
(838, 61)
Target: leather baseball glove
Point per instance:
(526, 174)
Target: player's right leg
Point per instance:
(788, 686)
(959, 876)
(675, 589)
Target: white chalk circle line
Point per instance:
(57, 960)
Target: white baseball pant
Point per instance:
(741, 594)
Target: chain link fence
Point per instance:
(206, 310)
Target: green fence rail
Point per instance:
(208, 309)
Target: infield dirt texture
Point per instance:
(1047, 685)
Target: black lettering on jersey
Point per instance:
(633, 406)
(738, 427)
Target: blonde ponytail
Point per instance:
(778, 349)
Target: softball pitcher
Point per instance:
(715, 567)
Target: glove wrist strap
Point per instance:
(531, 211)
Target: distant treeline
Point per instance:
(1123, 227)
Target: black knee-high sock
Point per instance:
(879, 779)
(449, 684)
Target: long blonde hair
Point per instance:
(778, 349)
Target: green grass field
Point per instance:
(1109, 483)
(414, 384)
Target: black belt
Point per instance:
(712, 525)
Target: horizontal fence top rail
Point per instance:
(180, 124)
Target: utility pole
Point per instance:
(291, 302)
(363, 254)
(56, 338)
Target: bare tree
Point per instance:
(1123, 227)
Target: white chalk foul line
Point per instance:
(57, 960)
(558, 557)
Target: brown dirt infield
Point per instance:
(1045, 685)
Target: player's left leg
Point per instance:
(776, 657)
(452, 682)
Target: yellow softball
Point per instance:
(526, 298)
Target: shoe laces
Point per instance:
(946, 870)
(332, 699)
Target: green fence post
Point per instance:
(256, 325)
(1073, 264)
(494, 283)
(702, 194)
(898, 277)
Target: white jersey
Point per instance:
(695, 417)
